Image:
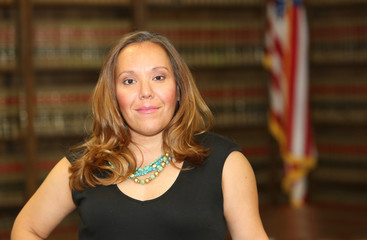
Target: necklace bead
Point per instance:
(156, 166)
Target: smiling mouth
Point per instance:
(146, 110)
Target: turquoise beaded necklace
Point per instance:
(156, 166)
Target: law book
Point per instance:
(7, 44)
(338, 35)
(234, 100)
(84, 2)
(335, 100)
(9, 113)
(63, 111)
(333, 2)
(206, 2)
(220, 42)
(12, 177)
(76, 43)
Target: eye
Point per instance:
(159, 78)
(129, 81)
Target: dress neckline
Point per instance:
(142, 202)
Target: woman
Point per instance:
(151, 169)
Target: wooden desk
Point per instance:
(323, 222)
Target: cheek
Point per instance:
(123, 101)
(171, 98)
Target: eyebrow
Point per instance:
(131, 72)
(128, 72)
(155, 68)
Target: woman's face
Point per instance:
(145, 88)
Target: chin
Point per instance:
(146, 131)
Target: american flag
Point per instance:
(289, 118)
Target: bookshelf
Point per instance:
(11, 134)
(338, 54)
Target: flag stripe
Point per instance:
(300, 85)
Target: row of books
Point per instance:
(206, 2)
(234, 103)
(9, 113)
(7, 44)
(66, 110)
(338, 54)
(76, 43)
(84, 2)
(74, 58)
(70, 57)
(128, 3)
(339, 95)
(219, 42)
(13, 198)
(155, 2)
(198, 31)
(349, 32)
(78, 32)
(333, 2)
(338, 36)
(12, 176)
(93, 57)
(340, 112)
(84, 44)
(342, 165)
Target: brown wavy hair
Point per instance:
(110, 138)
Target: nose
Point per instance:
(146, 91)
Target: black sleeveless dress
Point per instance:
(191, 209)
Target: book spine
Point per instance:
(235, 102)
(7, 43)
(338, 37)
(63, 111)
(75, 43)
(220, 42)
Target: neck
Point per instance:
(146, 148)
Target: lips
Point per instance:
(147, 109)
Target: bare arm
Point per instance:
(241, 200)
(47, 207)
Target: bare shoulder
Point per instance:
(238, 177)
(240, 199)
(62, 167)
(236, 162)
(55, 188)
(47, 207)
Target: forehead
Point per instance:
(143, 48)
(144, 56)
